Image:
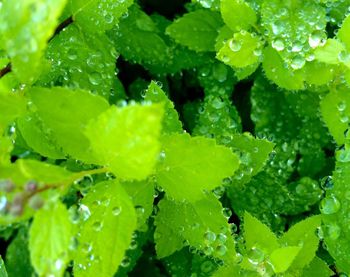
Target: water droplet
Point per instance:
(341, 106)
(208, 250)
(97, 226)
(316, 38)
(221, 250)
(331, 231)
(329, 205)
(84, 212)
(95, 78)
(139, 210)
(278, 44)
(207, 266)
(226, 212)
(256, 256)
(297, 62)
(327, 183)
(297, 46)
(125, 262)
(209, 236)
(235, 45)
(58, 264)
(344, 57)
(222, 238)
(133, 245)
(116, 211)
(72, 54)
(109, 18)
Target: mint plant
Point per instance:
(192, 138)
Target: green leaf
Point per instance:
(106, 234)
(197, 30)
(317, 73)
(81, 60)
(258, 235)
(191, 165)
(343, 32)
(37, 137)
(11, 106)
(142, 195)
(119, 141)
(24, 170)
(240, 51)
(329, 53)
(276, 71)
(171, 122)
(253, 153)
(303, 233)
(49, 246)
(335, 211)
(335, 109)
(201, 224)
(98, 15)
(3, 272)
(317, 268)
(237, 14)
(282, 258)
(18, 256)
(25, 35)
(138, 39)
(66, 119)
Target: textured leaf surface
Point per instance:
(282, 258)
(18, 256)
(25, 35)
(119, 141)
(237, 14)
(49, 246)
(197, 30)
(201, 224)
(98, 15)
(257, 234)
(192, 165)
(171, 122)
(81, 60)
(64, 116)
(241, 50)
(106, 234)
(335, 109)
(304, 232)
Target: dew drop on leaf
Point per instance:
(329, 205)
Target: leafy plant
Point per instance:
(203, 138)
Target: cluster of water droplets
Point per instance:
(217, 118)
(295, 33)
(77, 63)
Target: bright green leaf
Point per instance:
(119, 141)
(335, 109)
(282, 258)
(343, 32)
(197, 30)
(240, 51)
(25, 35)
(237, 14)
(304, 232)
(66, 119)
(191, 165)
(106, 234)
(258, 235)
(171, 122)
(329, 53)
(98, 15)
(49, 239)
(317, 268)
